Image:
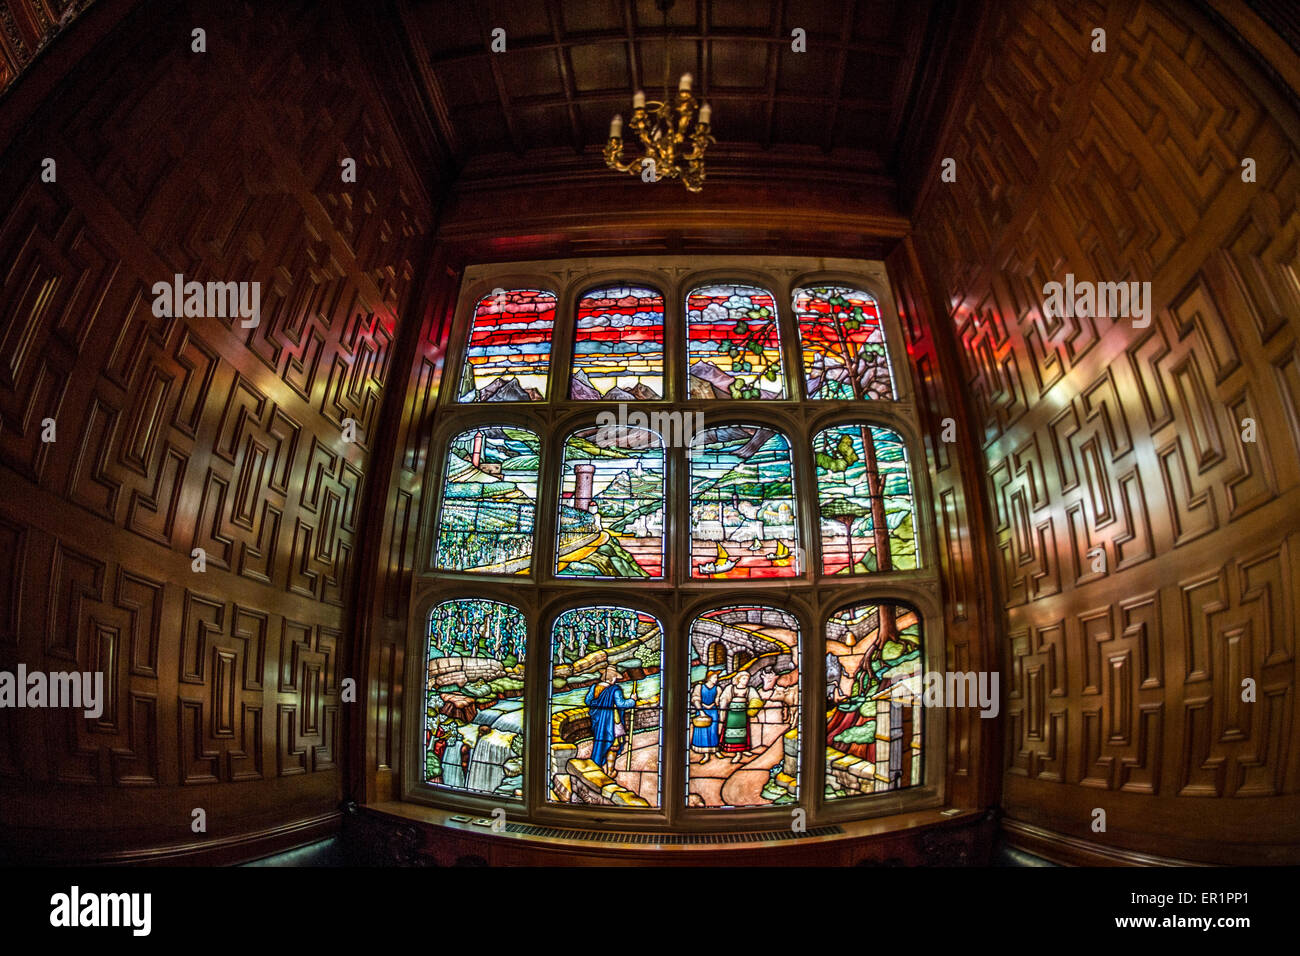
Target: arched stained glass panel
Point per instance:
(474, 708)
(744, 519)
(864, 497)
(733, 345)
(743, 721)
(873, 700)
(843, 344)
(618, 345)
(611, 512)
(489, 499)
(508, 356)
(606, 665)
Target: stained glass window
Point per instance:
(733, 345)
(743, 514)
(843, 344)
(873, 700)
(864, 497)
(509, 351)
(489, 497)
(611, 514)
(618, 345)
(605, 713)
(664, 514)
(743, 726)
(474, 701)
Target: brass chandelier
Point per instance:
(674, 131)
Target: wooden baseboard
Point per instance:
(237, 849)
(217, 851)
(1071, 851)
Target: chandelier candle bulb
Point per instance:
(672, 133)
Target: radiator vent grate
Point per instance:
(646, 839)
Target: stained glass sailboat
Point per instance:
(724, 563)
(781, 556)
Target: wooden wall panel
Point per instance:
(382, 615)
(223, 687)
(1103, 436)
(963, 528)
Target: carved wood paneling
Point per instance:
(223, 687)
(1146, 547)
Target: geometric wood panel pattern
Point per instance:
(1105, 439)
(965, 574)
(223, 688)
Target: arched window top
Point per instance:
(733, 343)
(489, 501)
(843, 344)
(618, 345)
(611, 508)
(508, 354)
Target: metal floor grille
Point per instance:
(606, 836)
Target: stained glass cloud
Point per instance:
(733, 343)
(842, 343)
(508, 357)
(618, 346)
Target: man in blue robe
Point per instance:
(608, 707)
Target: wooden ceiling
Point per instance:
(845, 105)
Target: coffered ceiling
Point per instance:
(846, 105)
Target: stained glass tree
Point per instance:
(508, 356)
(489, 498)
(864, 485)
(618, 346)
(843, 344)
(873, 694)
(733, 343)
(474, 712)
(606, 672)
